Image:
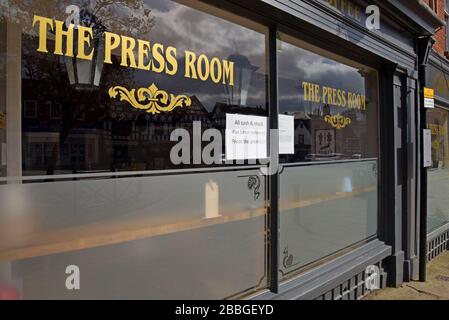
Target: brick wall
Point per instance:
(440, 36)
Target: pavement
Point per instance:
(435, 288)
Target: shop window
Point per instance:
(438, 174)
(80, 112)
(98, 187)
(328, 186)
(203, 77)
(30, 109)
(433, 4)
(54, 110)
(333, 103)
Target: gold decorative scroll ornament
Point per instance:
(151, 99)
(338, 121)
(436, 144)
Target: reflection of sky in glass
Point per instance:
(190, 29)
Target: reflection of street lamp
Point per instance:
(243, 74)
(87, 73)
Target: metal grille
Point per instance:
(353, 288)
(438, 245)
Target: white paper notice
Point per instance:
(246, 137)
(429, 103)
(286, 134)
(427, 134)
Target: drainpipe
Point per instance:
(424, 48)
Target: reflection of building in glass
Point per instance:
(317, 140)
(122, 139)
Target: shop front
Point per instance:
(437, 173)
(164, 149)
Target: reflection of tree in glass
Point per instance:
(45, 76)
(129, 17)
(45, 79)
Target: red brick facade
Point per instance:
(440, 35)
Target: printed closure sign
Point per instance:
(429, 98)
(286, 134)
(246, 137)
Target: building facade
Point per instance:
(122, 166)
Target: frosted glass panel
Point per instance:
(324, 209)
(438, 199)
(173, 236)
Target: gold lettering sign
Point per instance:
(151, 99)
(437, 130)
(133, 53)
(333, 96)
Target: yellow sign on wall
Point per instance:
(429, 93)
